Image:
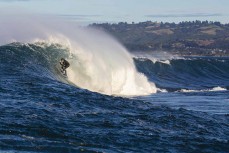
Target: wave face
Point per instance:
(199, 73)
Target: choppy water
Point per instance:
(42, 112)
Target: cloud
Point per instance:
(185, 15)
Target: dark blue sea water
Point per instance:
(40, 113)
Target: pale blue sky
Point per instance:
(89, 11)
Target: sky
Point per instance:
(114, 11)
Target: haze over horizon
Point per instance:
(90, 11)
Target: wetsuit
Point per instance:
(64, 65)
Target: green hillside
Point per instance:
(186, 38)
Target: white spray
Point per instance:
(99, 63)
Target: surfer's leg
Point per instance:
(64, 70)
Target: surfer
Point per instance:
(64, 65)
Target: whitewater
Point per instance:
(112, 101)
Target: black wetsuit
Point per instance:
(64, 65)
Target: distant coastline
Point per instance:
(197, 38)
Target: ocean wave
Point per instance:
(106, 73)
(186, 73)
